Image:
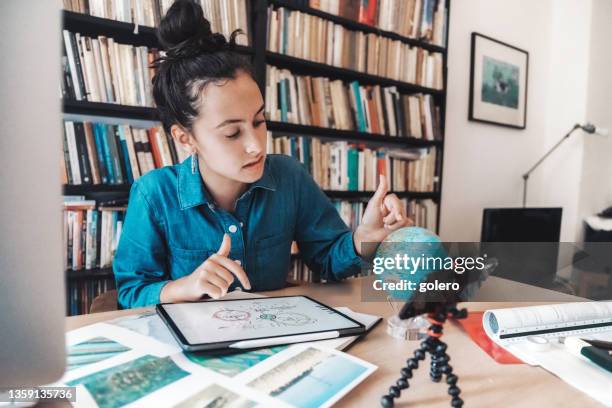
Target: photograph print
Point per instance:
(498, 83)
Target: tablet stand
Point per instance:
(439, 358)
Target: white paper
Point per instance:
(560, 320)
(578, 372)
(140, 344)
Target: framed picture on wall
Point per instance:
(498, 83)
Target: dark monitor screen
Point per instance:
(521, 225)
(516, 237)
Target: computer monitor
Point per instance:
(525, 241)
(521, 224)
(32, 299)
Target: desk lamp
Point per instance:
(588, 128)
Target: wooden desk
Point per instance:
(483, 382)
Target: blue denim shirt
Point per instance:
(172, 226)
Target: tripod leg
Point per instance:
(387, 401)
(439, 360)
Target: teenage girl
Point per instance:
(226, 216)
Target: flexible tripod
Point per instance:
(439, 358)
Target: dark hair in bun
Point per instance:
(195, 57)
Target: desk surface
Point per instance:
(483, 382)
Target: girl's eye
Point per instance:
(258, 123)
(234, 135)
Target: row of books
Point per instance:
(313, 38)
(141, 12)
(100, 153)
(81, 294)
(423, 212)
(319, 101)
(102, 70)
(345, 166)
(224, 16)
(91, 233)
(423, 19)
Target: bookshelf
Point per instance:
(128, 33)
(301, 66)
(98, 273)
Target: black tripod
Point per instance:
(439, 359)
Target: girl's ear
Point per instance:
(182, 138)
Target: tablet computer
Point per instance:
(242, 324)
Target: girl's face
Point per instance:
(229, 133)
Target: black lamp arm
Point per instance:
(528, 173)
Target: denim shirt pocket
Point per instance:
(184, 261)
(272, 259)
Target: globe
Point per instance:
(408, 243)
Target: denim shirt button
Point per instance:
(241, 224)
(232, 228)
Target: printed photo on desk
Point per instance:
(307, 376)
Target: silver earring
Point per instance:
(194, 162)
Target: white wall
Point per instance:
(483, 163)
(596, 188)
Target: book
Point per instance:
(101, 153)
(83, 158)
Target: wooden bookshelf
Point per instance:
(336, 194)
(145, 113)
(335, 134)
(109, 110)
(88, 274)
(85, 189)
(128, 33)
(120, 31)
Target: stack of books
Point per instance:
(102, 70)
(345, 166)
(224, 16)
(319, 101)
(91, 233)
(99, 153)
(309, 37)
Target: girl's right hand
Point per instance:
(213, 278)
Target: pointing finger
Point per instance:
(226, 246)
(382, 189)
(234, 268)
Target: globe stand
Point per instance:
(439, 358)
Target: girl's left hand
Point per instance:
(384, 214)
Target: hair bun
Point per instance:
(184, 31)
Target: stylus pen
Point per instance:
(596, 355)
(274, 341)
